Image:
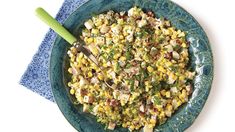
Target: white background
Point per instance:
(21, 33)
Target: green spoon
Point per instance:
(65, 34)
(55, 25)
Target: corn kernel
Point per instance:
(152, 121)
(179, 103)
(116, 56)
(157, 32)
(120, 21)
(72, 91)
(89, 40)
(121, 37)
(122, 58)
(70, 70)
(116, 81)
(125, 34)
(121, 46)
(137, 29)
(98, 22)
(163, 92)
(184, 45)
(128, 123)
(161, 69)
(124, 125)
(85, 39)
(181, 78)
(134, 111)
(123, 41)
(132, 127)
(105, 65)
(169, 107)
(115, 39)
(168, 64)
(95, 31)
(90, 74)
(146, 58)
(147, 83)
(147, 88)
(181, 65)
(166, 32)
(181, 34)
(168, 94)
(100, 76)
(94, 50)
(84, 61)
(150, 69)
(173, 36)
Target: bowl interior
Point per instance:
(200, 59)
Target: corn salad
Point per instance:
(145, 57)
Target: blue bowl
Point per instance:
(200, 59)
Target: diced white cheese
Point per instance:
(95, 110)
(130, 38)
(108, 63)
(168, 113)
(173, 43)
(131, 12)
(124, 98)
(143, 64)
(88, 99)
(171, 80)
(147, 129)
(116, 29)
(74, 71)
(153, 51)
(122, 13)
(175, 55)
(154, 117)
(122, 63)
(104, 29)
(142, 108)
(169, 48)
(111, 126)
(142, 23)
(89, 24)
(136, 83)
(174, 90)
(113, 74)
(94, 80)
(82, 82)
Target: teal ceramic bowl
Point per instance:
(200, 59)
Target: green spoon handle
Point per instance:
(55, 25)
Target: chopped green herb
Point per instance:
(156, 100)
(118, 67)
(132, 85)
(111, 54)
(177, 47)
(128, 65)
